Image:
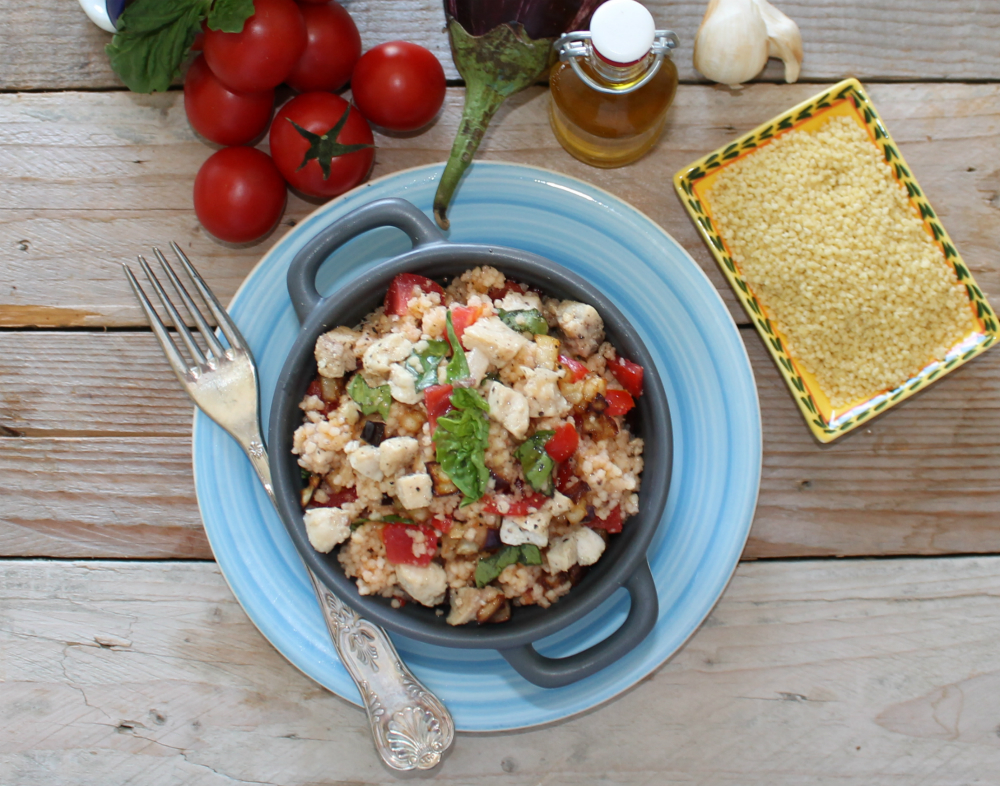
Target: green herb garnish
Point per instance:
(461, 438)
(154, 37)
(368, 398)
(390, 519)
(536, 463)
(458, 366)
(490, 567)
(427, 363)
(527, 321)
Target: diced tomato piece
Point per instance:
(521, 507)
(509, 286)
(404, 287)
(577, 370)
(565, 476)
(315, 388)
(444, 525)
(437, 398)
(612, 524)
(462, 317)
(399, 543)
(563, 443)
(628, 374)
(337, 500)
(619, 402)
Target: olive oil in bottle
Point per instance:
(613, 85)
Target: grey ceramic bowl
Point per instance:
(623, 563)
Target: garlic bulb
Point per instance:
(737, 36)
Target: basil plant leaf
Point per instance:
(489, 568)
(458, 366)
(461, 438)
(527, 321)
(229, 15)
(425, 364)
(536, 463)
(368, 398)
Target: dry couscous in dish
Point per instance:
(467, 445)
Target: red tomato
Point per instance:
(437, 399)
(403, 288)
(263, 55)
(337, 500)
(319, 113)
(398, 85)
(563, 443)
(612, 524)
(521, 507)
(577, 370)
(443, 525)
(219, 114)
(619, 402)
(333, 47)
(398, 540)
(628, 374)
(462, 317)
(239, 194)
(498, 293)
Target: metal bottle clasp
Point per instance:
(574, 46)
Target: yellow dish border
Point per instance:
(824, 423)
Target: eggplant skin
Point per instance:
(540, 18)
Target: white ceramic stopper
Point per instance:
(622, 31)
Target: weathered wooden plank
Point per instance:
(51, 45)
(88, 180)
(120, 497)
(919, 480)
(854, 672)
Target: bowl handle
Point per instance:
(382, 213)
(556, 672)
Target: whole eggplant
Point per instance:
(499, 47)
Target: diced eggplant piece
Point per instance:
(442, 483)
(373, 432)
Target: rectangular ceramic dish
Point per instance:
(848, 99)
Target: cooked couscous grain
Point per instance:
(827, 239)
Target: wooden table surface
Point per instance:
(857, 644)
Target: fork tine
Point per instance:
(175, 317)
(229, 328)
(213, 343)
(177, 362)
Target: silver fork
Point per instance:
(410, 726)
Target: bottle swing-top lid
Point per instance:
(622, 33)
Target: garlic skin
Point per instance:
(784, 40)
(736, 37)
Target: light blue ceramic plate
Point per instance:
(713, 403)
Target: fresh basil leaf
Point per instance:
(530, 555)
(368, 398)
(527, 321)
(428, 362)
(229, 15)
(461, 438)
(306, 474)
(390, 519)
(536, 463)
(489, 568)
(152, 40)
(458, 366)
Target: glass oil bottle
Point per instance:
(613, 85)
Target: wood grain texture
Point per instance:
(856, 673)
(50, 44)
(921, 479)
(87, 180)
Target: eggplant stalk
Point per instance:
(495, 65)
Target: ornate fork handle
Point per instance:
(410, 726)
